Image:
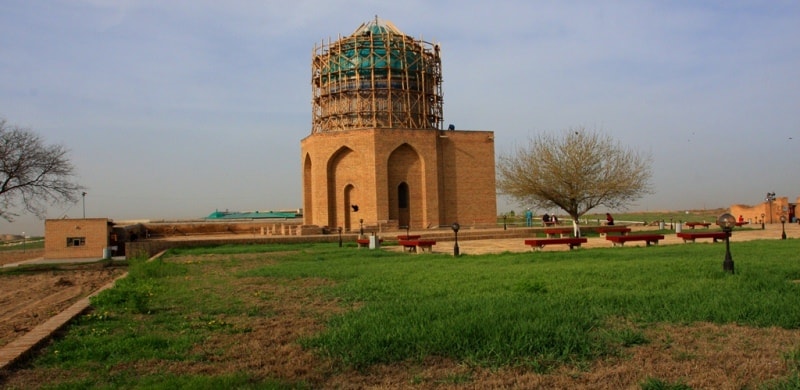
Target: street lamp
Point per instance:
(83, 197)
(727, 222)
(455, 227)
(340, 236)
(361, 230)
(783, 227)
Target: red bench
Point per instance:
(418, 246)
(696, 224)
(539, 243)
(364, 242)
(648, 238)
(409, 237)
(691, 236)
(603, 230)
(558, 232)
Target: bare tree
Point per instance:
(575, 171)
(32, 174)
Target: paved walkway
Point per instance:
(476, 247)
(42, 260)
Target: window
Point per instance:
(76, 241)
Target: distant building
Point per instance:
(769, 211)
(77, 238)
(377, 151)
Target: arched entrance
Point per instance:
(405, 190)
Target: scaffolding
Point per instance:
(377, 77)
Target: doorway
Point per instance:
(403, 209)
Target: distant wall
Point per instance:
(771, 211)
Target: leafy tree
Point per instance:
(32, 174)
(575, 171)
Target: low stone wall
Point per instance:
(149, 247)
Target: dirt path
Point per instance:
(28, 299)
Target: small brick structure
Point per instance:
(77, 238)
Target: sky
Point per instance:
(174, 109)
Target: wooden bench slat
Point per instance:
(539, 243)
(647, 238)
(691, 236)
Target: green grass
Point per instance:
(19, 245)
(537, 310)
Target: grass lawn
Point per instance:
(316, 316)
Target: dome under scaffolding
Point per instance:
(377, 77)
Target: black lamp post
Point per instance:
(340, 236)
(504, 221)
(455, 227)
(361, 229)
(762, 220)
(783, 227)
(83, 197)
(727, 222)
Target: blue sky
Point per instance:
(172, 109)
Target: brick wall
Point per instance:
(771, 213)
(450, 177)
(76, 238)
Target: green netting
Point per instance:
(365, 57)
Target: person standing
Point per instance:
(529, 218)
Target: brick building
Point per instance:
(769, 211)
(377, 152)
(76, 238)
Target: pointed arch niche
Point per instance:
(405, 171)
(308, 191)
(342, 191)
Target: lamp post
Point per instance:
(455, 227)
(340, 236)
(361, 230)
(83, 197)
(783, 227)
(726, 222)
